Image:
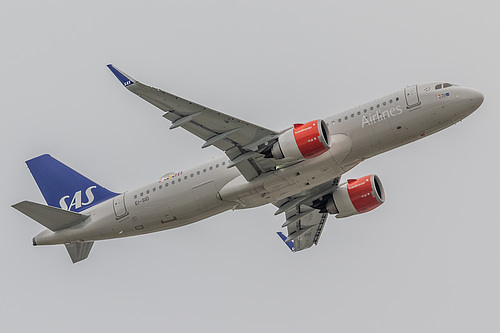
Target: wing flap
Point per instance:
(306, 231)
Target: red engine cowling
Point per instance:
(356, 197)
(303, 141)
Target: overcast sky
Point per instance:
(425, 261)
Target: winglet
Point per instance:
(289, 244)
(122, 77)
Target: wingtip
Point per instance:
(122, 77)
(290, 244)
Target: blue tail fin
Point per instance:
(65, 188)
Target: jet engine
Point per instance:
(303, 141)
(356, 197)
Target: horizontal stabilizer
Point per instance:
(79, 251)
(50, 217)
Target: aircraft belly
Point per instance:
(310, 173)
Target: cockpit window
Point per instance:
(443, 85)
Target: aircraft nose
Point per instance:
(475, 97)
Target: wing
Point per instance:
(305, 216)
(306, 231)
(242, 142)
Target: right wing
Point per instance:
(305, 216)
(306, 231)
(243, 142)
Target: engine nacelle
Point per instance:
(303, 141)
(356, 197)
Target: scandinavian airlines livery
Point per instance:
(297, 169)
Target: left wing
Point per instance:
(244, 143)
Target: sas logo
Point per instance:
(76, 201)
(127, 83)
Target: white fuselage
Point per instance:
(212, 188)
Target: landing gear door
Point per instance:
(412, 99)
(119, 206)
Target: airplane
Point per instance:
(297, 169)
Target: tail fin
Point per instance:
(62, 187)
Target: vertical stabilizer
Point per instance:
(64, 188)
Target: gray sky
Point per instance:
(425, 261)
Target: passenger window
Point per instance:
(359, 112)
(385, 103)
(371, 108)
(378, 106)
(179, 180)
(160, 187)
(211, 168)
(135, 196)
(339, 120)
(204, 170)
(142, 194)
(223, 163)
(390, 101)
(154, 189)
(217, 165)
(147, 192)
(365, 110)
(173, 182)
(352, 115)
(192, 175)
(345, 117)
(397, 99)
(438, 86)
(198, 173)
(185, 177)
